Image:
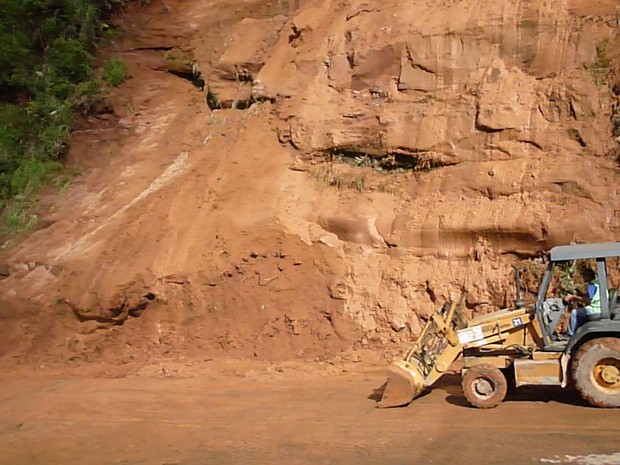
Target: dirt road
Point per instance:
(295, 417)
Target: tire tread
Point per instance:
(488, 371)
(582, 379)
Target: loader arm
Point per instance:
(445, 337)
(427, 359)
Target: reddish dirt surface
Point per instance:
(199, 227)
(238, 414)
(226, 285)
(196, 293)
(210, 291)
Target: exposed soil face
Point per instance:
(345, 170)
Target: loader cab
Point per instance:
(549, 310)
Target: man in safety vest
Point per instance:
(591, 301)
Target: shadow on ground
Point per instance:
(451, 385)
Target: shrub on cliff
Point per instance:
(45, 77)
(114, 71)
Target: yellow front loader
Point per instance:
(522, 343)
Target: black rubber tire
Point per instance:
(588, 381)
(486, 376)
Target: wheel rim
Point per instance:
(484, 388)
(605, 375)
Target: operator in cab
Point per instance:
(590, 302)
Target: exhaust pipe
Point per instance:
(519, 303)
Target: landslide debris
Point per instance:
(387, 157)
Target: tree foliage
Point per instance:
(45, 77)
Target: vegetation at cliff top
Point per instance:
(46, 79)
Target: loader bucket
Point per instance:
(405, 383)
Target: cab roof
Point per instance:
(582, 251)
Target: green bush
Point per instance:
(19, 219)
(69, 60)
(114, 71)
(46, 76)
(32, 174)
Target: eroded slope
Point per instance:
(347, 169)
